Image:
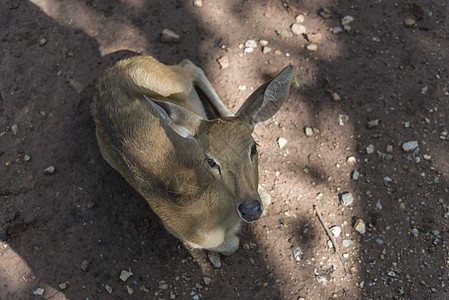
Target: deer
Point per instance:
(194, 161)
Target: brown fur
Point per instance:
(197, 203)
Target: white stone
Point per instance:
(282, 142)
(308, 131)
(298, 29)
(347, 20)
(38, 292)
(168, 36)
(360, 226)
(370, 149)
(266, 50)
(250, 44)
(125, 275)
(347, 199)
(312, 47)
(335, 230)
(410, 146)
(355, 175)
(347, 243)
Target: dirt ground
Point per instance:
(358, 96)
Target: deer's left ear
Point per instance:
(268, 98)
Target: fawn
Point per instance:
(199, 174)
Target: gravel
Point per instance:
(409, 146)
(346, 198)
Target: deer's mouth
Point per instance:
(250, 211)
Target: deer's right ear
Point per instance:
(268, 98)
(182, 121)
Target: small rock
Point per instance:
(346, 198)
(248, 50)
(370, 149)
(38, 292)
(214, 258)
(298, 29)
(335, 230)
(84, 265)
(223, 61)
(410, 146)
(325, 13)
(360, 226)
(42, 42)
(337, 29)
(409, 22)
(266, 50)
(300, 18)
(355, 175)
(282, 142)
(427, 157)
(168, 36)
(125, 275)
(207, 280)
(312, 47)
(14, 128)
(163, 286)
(347, 20)
(50, 170)
(90, 205)
(251, 44)
(424, 90)
(108, 288)
(26, 157)
(308, 131)
(336, 97)
(197, 3)
(172, 295)
(373, 123)
(129, 290)
(391, 274)
(263, 42)
(389, 149)
(351, 160)
(321, 279)
(297, 253)
(347, 28)
(62, 285)
(347, 243)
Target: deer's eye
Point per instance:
(211, 162)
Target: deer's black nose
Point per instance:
(250, 211)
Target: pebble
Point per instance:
(370, 149)
(297, 253)
(346, 198)
(351, 160)
(312, 47)
(389, 149)
(355, 175)
(214, 258)
(168, 36)
(336, 97)
(347, 20)
(42, 42)
(282, 142)
(248, 50)
(163, 286)
(410, 146)
(263, 42)
(337, 29)
(84, 265)
(250, 44)
(409, 22)
(108, 288)
(335, 230)
(26, 157)
(308, 131)
(49, 170)
(373, 123)
(427, 157)
(360, 226)
(298, 29)
(347, 243)
(197, 3)
(90, 205)
(299, 18)
(62, 285)
(266, 50)
(325, 13)
(207, 280)
(14, 128)
(125, 275)
(223, 61)
(38, 292)
(129, 290)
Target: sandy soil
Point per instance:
(391, 65)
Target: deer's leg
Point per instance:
(201, 81)
(230, 242)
